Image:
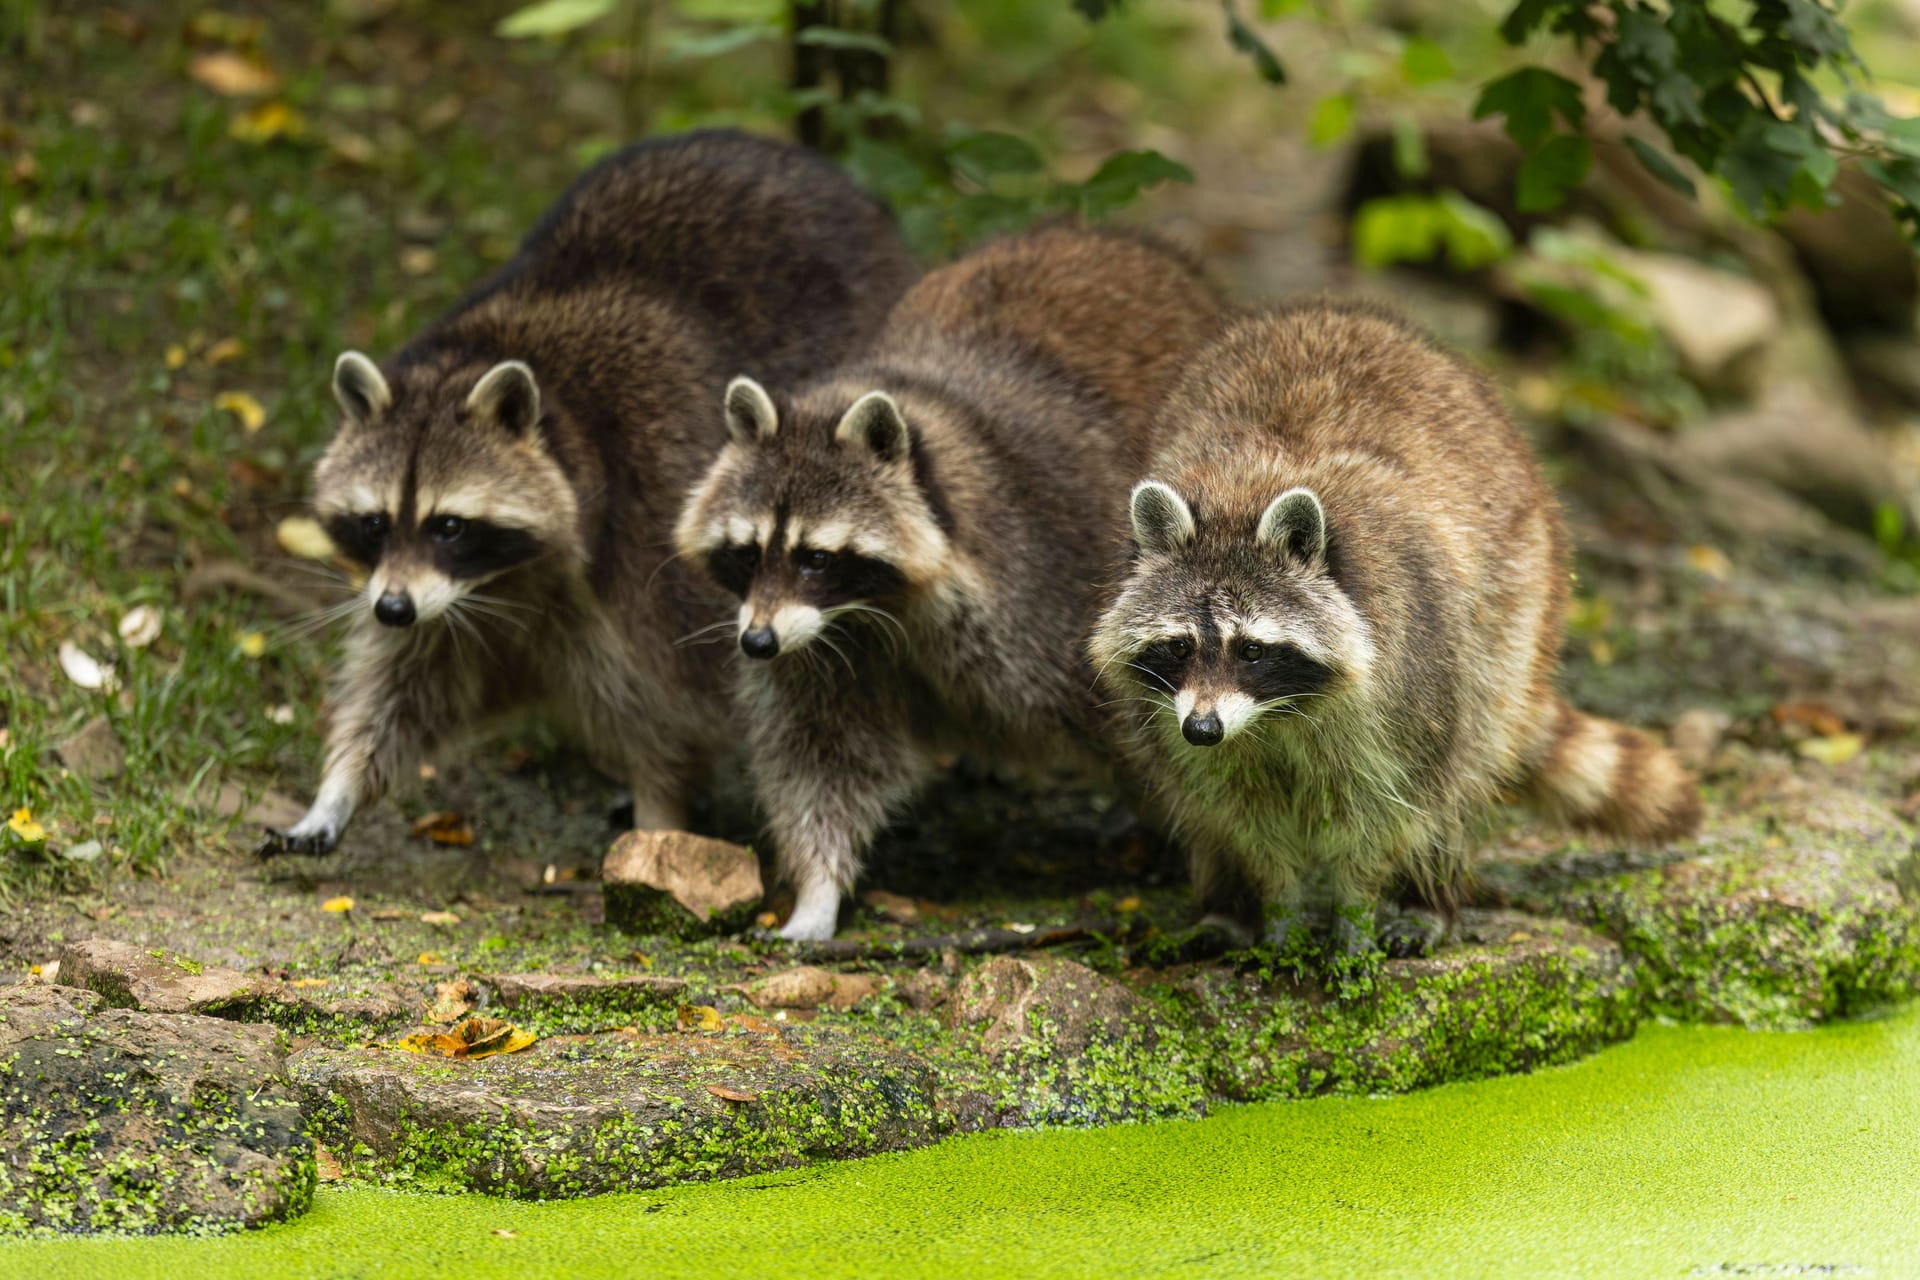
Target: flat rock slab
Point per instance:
(117, 1120)
(579, 1115)
(580, 1002)
(1801, 909)
(1510, 994)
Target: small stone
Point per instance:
(673, 882)
(153, 980)
(804, 988)
(1711, 316)
(94, 752)
(582, 1001)
(117, 1120)
(1696, 736)
(924, 989)
(849, 989)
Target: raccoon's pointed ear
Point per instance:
(1295, 524)
(876, 422)
(360, 387)
(508, 395)
(751, 416)
(1162, 521)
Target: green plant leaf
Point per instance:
(835, 38)
(1529, 98)
(691, 48)
(1332, 120)
(1549, 174)
(554, 17)
(1248, 41)
(1656, 163)
(985, 156)
(1120, 179)
(1395, 229)
(1424, 62)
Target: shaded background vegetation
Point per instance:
(1682, 236)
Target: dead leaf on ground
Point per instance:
(266, 122)
(338, 905)
(444, 828)
(892, 906)
(452, 1001)
(328, 1164)
(700, 1017)
(306, 983)
(1833, 751)
(243, 406)
(1816, 716)
(302, 536)
(234, 75)
(439, 917)
(224, 350)
(390, 913)
(732, 1095)
(474, 1038)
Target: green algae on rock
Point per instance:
(1798, 906)
(1512, 994)
(581, 1115)
(116, 1120)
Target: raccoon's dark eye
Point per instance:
(813, 562)
(373, 527)
(1180, 647)
(1253, 651)
(445, 528)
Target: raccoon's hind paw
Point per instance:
(276, 843)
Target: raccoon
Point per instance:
(509, 480)
(915, 540)
(1342, 627)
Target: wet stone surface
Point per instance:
(116, 1120)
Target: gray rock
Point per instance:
(153, 979)
(116, 1120)
(1072, 1046)
(94, 751)
(683, 885)
(580, 1115)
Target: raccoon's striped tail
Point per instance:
(1599, 776)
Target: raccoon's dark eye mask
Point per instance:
(477, 548)
(733, 567)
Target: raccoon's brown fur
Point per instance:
(536, 441)
(1345, 612)
(916, 539)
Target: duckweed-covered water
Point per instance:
(1699, 1151)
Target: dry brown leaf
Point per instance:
(474, 1038)
(444, 828)
(390, 913)
(439, 917)
(700, 1017)
(1817, 716)
(452, 1001)
(892, 906)
(434, 1044)
(224, 350)
(234, 75)
(732, 1095)
(328, 1164)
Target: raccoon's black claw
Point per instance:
(278, 843)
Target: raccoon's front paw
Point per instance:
(298, 840)
(807, 929)
(1412, 934)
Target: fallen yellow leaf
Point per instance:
(266, 122)
(430, 957)
(244, 407)
(1129, 903)
(700, 1017)
(1836, 750)
(232, 75)
(474, 1038)
(439, 917)
(444, 828)
(1711, 561)
(337, 905)
(310, 982)
(451, 1001)
(224, 350)
(252, 644)
(302, 536)
(23, 825)
(176, 356)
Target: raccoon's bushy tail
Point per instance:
(1604, 777)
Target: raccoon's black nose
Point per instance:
(760, 642)
(1203, 731)
(395, 608)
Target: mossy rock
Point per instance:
(581, 1115)
(117, 1120)
(1512, 993)
(1797, 906)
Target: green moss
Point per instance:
(1690, 1151)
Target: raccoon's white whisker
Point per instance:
(895, 630)
(317, 620)
(501, 601)
(1155, 674)
(658, 569)
(823, 638)
(707, 634)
